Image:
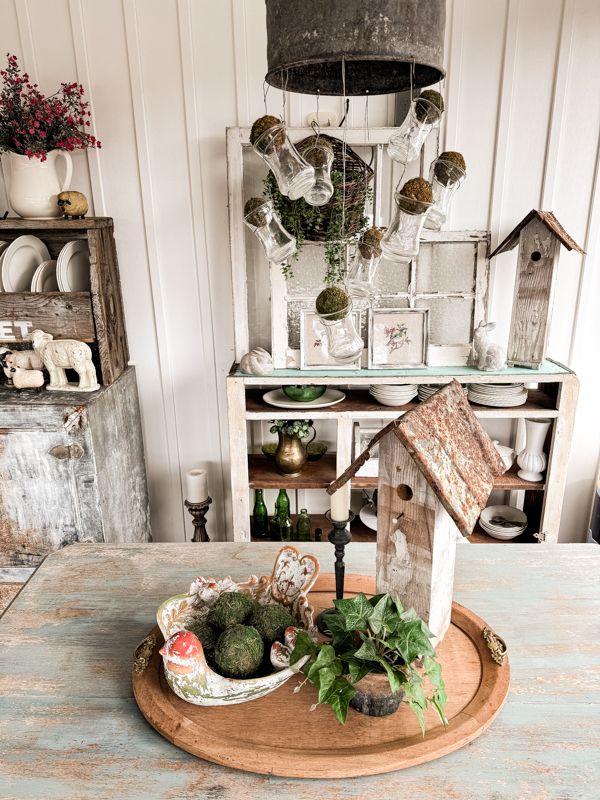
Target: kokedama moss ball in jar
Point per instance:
(446, 174)
(319, 154)
(334, 309)
(413, 201)
(262, 219)
(423, 116)
(415, 196)
(366, 261)
(295, 177)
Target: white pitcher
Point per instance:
(34, 185)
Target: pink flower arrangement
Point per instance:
(33, 125)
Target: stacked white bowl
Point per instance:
(499, 395)
(427, 390)
(393, 395)
(503, 522)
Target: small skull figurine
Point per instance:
(257, 362)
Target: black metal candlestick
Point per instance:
(339, 537)
(198, 512)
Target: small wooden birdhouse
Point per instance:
(436, 470)
(539, 237)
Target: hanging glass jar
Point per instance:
(294, 175)
(423, 116)
(344, 343)
(401, 241)
(364, 266)
(319, 154)
(446, 174)
(263, 220)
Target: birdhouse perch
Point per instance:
(436, 470)
(539, 237)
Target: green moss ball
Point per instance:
(271, 622)
(205, 633)
(254, 217)
(239, 652)
(232, 608)
(414, 195)
(369, 245)
(331, 300)
(315, 152)
(444, 169)
(263, 124)
(423, 111)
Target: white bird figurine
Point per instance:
(257, 362)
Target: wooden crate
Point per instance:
(95, 317)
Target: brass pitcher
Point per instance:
(290, 455)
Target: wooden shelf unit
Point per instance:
(555, 398)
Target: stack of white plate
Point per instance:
(426, 390)
(44, 279)
(503, 522)
(73, 267)
(393, 395)
(500, 395)
(19, 261)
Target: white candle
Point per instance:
(196, 482)
(340, 503)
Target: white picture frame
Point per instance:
(398, 338)
(313, 343)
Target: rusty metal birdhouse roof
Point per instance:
(452, 450)
(550, 221)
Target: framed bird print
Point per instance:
(398, 338)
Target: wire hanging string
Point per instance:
(366, 139)
(266, 88)
(284, 84)
(343, 230)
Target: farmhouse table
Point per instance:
(70, 728)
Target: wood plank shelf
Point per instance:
(359, 531)
(263, 474)
(360, 403)
(479, 536)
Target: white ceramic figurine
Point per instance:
(485, 354)
(257, 362)
(65, 354)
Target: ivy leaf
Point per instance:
(356, 611)
(358, 669)
(326, 656)
(342, 637)
(411, 641)
(303, 647)
(381, 613)
(327, 677)
(433, 670)
(341, 694)
(409, 616)
(367, 651)
(420, 715)
(397, 678)
(399, 605)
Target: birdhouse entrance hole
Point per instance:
(535, 256)
(404, 492)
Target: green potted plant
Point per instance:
(291, 455)
(370, 661)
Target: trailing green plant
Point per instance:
(300, 427)
(375, 635)
(299, 218)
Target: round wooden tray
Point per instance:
(278, 735)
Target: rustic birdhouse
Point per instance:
(436, 470)
(539, 237)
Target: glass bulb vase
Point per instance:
(445, 178)
(295, 177)
(264, 222)
(344, 343)
(320, 157)
(361, 278)
(405, 145)
(401, 240)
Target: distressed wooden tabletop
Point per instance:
(70, 728)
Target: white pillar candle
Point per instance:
(196, 484)
(340, 503)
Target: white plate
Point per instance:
(368, 516)
(500, 530)
(20, 261)
(393, 403)
(73, 267)
(277, 397)
(45, 279)
(3, 249)
(510, 513)
(502, 538)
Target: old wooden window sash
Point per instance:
(437, 249)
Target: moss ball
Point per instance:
(259, 219)
(205, 633)
(313, 151)
(369, 245)
(232, 608)
(331, 300)
(263, 124)
(444, 168)
(271, 622)
(423, 111)
(239, 652)
(414, 195)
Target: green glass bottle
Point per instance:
(274, 528)
(282, 504)
(260, 527)
(304, 527)
(286, 528)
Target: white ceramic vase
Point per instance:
(532, 459)
(34, 185)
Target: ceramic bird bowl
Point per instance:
(314, 450)
(185, 666)
(304, 393)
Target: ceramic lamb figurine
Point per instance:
(485, 355)
(23, 378)
(257, 362)
(65, 354)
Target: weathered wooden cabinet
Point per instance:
(71, 470)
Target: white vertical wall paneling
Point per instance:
(26, 36)
(175, 499)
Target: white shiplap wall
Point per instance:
(165, 78)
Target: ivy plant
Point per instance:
(300, 427)
(372, 635)
(299, 218)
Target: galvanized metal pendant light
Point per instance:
(379, 42)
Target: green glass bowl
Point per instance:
(314, 451)
(304, 393)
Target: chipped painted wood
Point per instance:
(63, 735)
